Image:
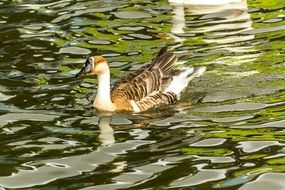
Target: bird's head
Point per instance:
(96, 65)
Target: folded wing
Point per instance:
(144, 88)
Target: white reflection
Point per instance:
(119, 166)
(223, 19)
(106, 136)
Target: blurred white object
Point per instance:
(205, 2)
(219, 19)
(106, 136)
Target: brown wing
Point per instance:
(156, 99)
(149, 79)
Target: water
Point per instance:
(227, 132)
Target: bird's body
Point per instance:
(153, 85)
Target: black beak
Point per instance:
(86, 69)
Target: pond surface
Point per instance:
(227, 131)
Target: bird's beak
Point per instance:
(86, 69)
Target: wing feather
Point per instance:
(146, 81)
(157, 99)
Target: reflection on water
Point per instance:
(226, 132)
(221, 23)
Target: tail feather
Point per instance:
(182, 78)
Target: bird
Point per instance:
(152, 85)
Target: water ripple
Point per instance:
(227, 131)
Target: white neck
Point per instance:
(103, 98)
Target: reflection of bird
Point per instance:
(153, 85)
(226, 17)
(106, 135)
(205, 2)
(220, 19)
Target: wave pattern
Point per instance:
(227, 131)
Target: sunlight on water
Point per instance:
(226, 132)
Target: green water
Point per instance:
(226, 132)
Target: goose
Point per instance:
(153, 85)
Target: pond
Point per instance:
(226, 132)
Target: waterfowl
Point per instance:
(153, 85)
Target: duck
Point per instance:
(152, 85)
